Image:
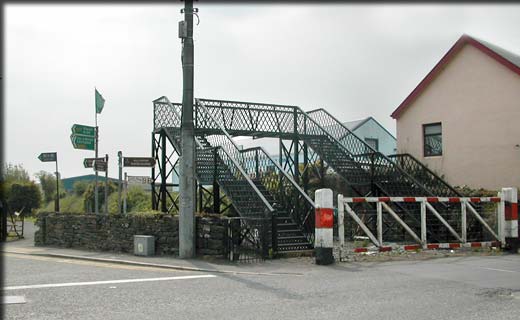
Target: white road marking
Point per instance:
(493, 269)
(91, 283)
(13, 299)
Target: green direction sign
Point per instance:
(82, 142)
(47, 157)
(84, 130)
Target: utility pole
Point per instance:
(187, 170)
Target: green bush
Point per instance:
(26, 197)
(80, 187)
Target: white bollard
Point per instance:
(324, 222)
(510, 226)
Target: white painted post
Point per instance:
(380, 223)
(510, 222)
(341, 225)
(500, 219)
(423, 224)
(324, 222)
(464, 222)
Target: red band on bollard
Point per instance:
(511, 211)
(324, 217)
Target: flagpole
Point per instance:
(96, 156)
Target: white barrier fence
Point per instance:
(506, 225)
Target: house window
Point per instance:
(374, 143)
(432, 134)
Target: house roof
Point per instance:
(502, 56)
(68, 183)
(355, 124)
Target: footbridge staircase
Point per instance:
(258, 186)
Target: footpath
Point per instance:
(286, 266)
(26, 246)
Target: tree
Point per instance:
(80, 187)
(14, 174)
(138, 200)
(19, 191)
(89, 195)
(48, 185)
(25, 197)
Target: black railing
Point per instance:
(424, 175)
(247, 239)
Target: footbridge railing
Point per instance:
(378, 168)
(259, 166)
(424, 175)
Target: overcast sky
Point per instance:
(353, 60)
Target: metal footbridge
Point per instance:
(251, 184)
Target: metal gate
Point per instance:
(247, 239)
(377, 219)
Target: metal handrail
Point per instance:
(379, 154)
(418, 163)
(239, 167)
(300, 190)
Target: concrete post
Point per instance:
(423, 225)
(380, 223)
(464, 221)
(187, 182)
(323, 242)
(341, 225)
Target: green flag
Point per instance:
(100, 102)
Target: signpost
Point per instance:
(53, 157)
(139, 162)
(145, 162)
(106, 183)
(125, 193)
(120, 165)
(86, 138)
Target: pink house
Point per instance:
(463, 119)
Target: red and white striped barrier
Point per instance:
(507, 220)
(324, 222)
(423, 199)
(430, 246)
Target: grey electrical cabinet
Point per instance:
(144, 245)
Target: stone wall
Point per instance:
(115, 232)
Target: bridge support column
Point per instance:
(163, 190)
(216, 187)
(305, 173)
(323, 241)
(154, 155)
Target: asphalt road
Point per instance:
(448, 288)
